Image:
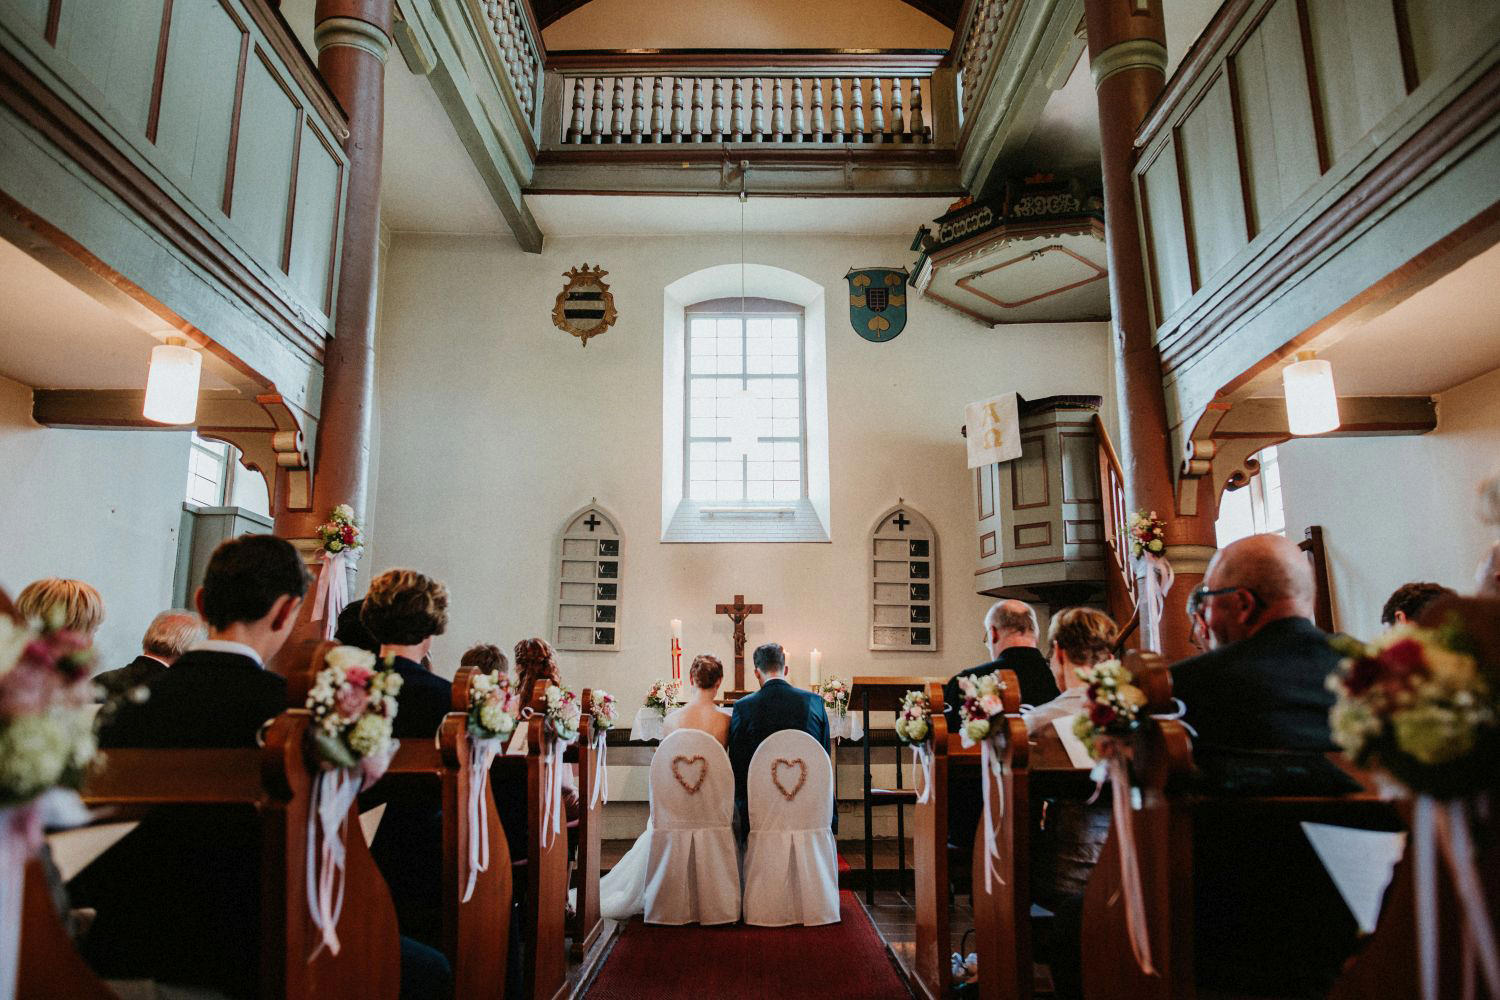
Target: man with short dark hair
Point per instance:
(1406, 605)
(169, 635)
(776, 706)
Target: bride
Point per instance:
(621, 891)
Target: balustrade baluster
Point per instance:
(697, 119)
(757, 110)
(575, 124)
(737, 110)
(898, 119)
(857, 108)
(617, 109)
(778, 111)
(658, 99)
(637, 109)
(799, 114)
(596, 118)
(718, 109)
(877, 108)
(917, 127)
(818, 124)
(838, 109)
(677, 113)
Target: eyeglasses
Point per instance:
(1200, 596)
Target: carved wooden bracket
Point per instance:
(1222, 444)
(278, 452)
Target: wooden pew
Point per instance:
(476, 934)
(543, 918)
(276, 781)
(584, 930)
(49, 965)
(1002, 912)
(930, 975)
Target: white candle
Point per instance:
(815, 667)
(677, 628)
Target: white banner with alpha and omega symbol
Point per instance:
(994, 430)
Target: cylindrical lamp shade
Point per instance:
(1312, 406)
(172, 384)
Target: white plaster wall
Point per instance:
(765, 24)
(100, 506)
(1396, 509)
(495, 426)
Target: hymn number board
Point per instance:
(588, 603)
(904, 607)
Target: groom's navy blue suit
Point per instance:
(776, 706)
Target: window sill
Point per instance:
(747, 521)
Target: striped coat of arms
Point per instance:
(585, 308)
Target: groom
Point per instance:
(776, 706)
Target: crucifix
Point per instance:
(738, 612)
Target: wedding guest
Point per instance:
(486, 658)
(350, 631)
(1409, 601)
(404, 611)
(169, 635)
(776, 706)
(535, 661)
(1076, 638)
(79, 605)
(706, 675)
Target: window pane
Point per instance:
(727, 472)
(758, 470)
(782, 365)
(701, 451)
(788, 470)
(701, 427)
(704, 363)
(786, 491)
(787, 451)
(703, 326)
(784, 326)
(729, 327)
(785, 428)
(759, 364)
(785, 408)
(760, 452)
(698, 387)
(700, 490)
(784, 388)
(759, 491)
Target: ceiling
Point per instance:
(57, 336)
(1439, 337)
(1066, 137)
(944, 12)
(654, 215)
(763, 24)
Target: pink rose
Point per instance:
(351, 701)
(992, 705)
(358, 676)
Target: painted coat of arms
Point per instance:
(585, 308)
(877, 302)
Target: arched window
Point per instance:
(589, 581)
(745, 408)
(903, 582)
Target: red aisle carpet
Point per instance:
(843, 961)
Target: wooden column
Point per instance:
(1128, 57)
(353, 39)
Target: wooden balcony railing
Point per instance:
(1120, 588)
(519, 53)
(980, 38)
(812, 98)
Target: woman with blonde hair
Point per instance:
(1077, 638)
(77, 604)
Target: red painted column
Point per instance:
(1128, 57)
(353, 39)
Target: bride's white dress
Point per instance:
(622, 891)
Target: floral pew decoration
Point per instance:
(1114, 710)
(914, 729)
(341, 538)
(605, 712)
(980, 711)
(46, 745)
(353, 706)
(494, 707)
(1422, 705)
(562, 716)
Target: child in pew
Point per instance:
(178, 899)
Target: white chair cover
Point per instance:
(791, 861)
(692, 872)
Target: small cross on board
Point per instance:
(592, 521)
(900, 520)
(738, 612)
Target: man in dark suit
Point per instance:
(776, 706)
(1010, 637)
(169, 635)
(1258, 690)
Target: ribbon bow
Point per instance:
(1442, 830)
(482, 753)
(921, 762)
(333, 793)
(990, 763)
(332, 592)
(601, 773)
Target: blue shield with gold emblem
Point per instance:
(877, 302)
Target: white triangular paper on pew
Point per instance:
(1077, 752)
(1360, 862)
(369, 822)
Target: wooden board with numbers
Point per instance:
(589, 581)
(903, 582)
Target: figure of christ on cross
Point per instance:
(738, 612)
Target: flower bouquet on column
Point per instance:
(562, 714)
(914, 729)
(494, 707)
(353, 705)
(342, 539)
(1422, 705)
(46, 744)
(979, 713)
(605, 712)
(1114, 711)
(1148, 546)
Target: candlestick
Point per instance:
(676, 624)
(815, 667)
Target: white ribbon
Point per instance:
(991, 763)
(481, 755)
(601, 773)
(1442, 829)
(552, 779)
(333, 793)
(332, 592)
(921, 763)
(19, 833)
(1122, 808)
(1159, 579)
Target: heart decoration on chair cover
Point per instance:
(690, 787)
(781, 762)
